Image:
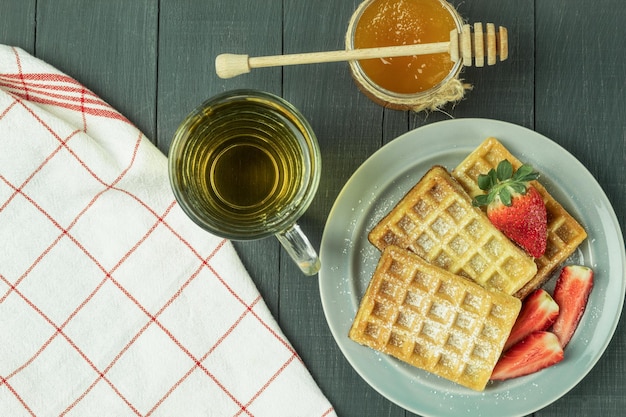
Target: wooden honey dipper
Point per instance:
(462, 46)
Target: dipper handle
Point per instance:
(464, 45)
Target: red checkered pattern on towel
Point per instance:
(111, 301)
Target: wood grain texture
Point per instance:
(580, 88)
(153, 61)
(580, 104)
(190, 38)
(349, 128)
(504, 91)
(18, 24)
(108, 46)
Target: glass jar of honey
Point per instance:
(418, 82)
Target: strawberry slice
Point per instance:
(538, 313)
(514, 206)
(535, 352)
(571, 293)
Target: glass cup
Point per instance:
(246, 165)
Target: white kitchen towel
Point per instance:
(112, 302)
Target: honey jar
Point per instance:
(424, 82)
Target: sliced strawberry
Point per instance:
(514, 206)
(571, 294)
(538, 312)
(535, 352)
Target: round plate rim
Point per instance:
(470, 133)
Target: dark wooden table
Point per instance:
(153, 61)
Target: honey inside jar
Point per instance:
(405, 22)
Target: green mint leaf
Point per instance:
(530, 177)
(523, 172)
(504, 170)
(505, 197)
(518, 187)
(487, 181)
(481, 200)
(483, 182)
(493, 175)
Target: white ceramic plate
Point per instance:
(348, 260)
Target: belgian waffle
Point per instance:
(433, 319)
(437, 221)
(565, 234)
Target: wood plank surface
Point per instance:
(349, 128)
(580, 104)
(110, 46)
(189, 39)
(18, 24)
(504, 91)
(153, 61)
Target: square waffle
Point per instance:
(437, 221)
(565, 234)
(433, 319)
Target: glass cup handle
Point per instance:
(299, 248)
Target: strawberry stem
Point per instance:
(503, 183)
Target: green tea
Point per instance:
(244, 166)
(244, 176)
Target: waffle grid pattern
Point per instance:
(565, 234)
(437, 221)
(434, 320)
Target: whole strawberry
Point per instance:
(514, 206)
